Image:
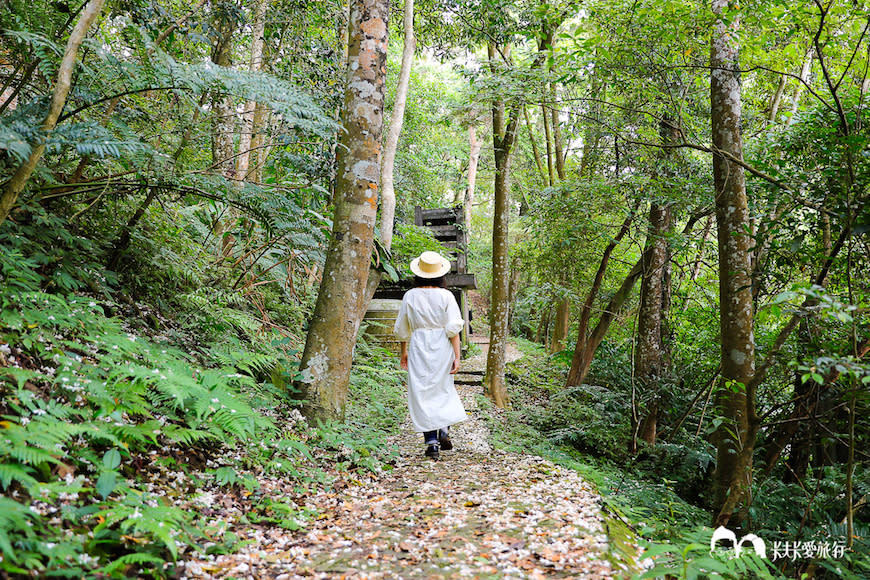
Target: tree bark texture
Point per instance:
(503, 137)
(649, 359)
(587, 343)
(652, 352)
(388, 193)
(223, 123)
(474, 147)
(734, 439)
(328, 354)
(561, 324)
(259, 151)
(62, 86)
(248, 127)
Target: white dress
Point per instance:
(427, 319)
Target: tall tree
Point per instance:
(223, 123)
(651, 352)
(504, 133)
(328, 354)
(249, 115)
(474, 147)
(62, 86)
(649, 365)
(388, 192)
(737, 350)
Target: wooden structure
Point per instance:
(448, 227)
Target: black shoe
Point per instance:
(444, 440)
(432, 452)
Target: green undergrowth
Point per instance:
(126, 411)
(95, 419)
(581, 429)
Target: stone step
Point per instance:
(467, 379)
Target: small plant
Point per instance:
(691, 558)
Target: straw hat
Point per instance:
(430, 265)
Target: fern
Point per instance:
(39, 441)
(45, 49)
(10, 472)
(250, 363)
(187, 435)
(14, 140)
(92, 139)
(157, 523)
(134, 559)
(15, 520)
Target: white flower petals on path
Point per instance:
(476, 513)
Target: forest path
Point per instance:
(475, 513)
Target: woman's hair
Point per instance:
(440, 282)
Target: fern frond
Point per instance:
(159, 523)
(134, 559)
(186, 435)
(14, 139)
(14, 518)
(10, 472)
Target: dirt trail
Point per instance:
(476, 513)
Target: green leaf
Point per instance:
(112, 459)
(106, 483)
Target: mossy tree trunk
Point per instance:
(735, 438)
(504, 131)
(326, 360)
(649, 360)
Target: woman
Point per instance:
(427, 327)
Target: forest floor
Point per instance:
(478, 512)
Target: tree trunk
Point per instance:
(541, 336)
(735, 438)
(514, 287)
(535, 152)
(558, 146)
(224, 117)
(799, 89)
(696, 266)
(388, 194)
(652, 354)
(503, 137)
(561, 324)
(326, 360)
(649, 360)
(62, 86)
(123, 240)
(474, 146)
(551, 180)
(592, 136)
(248, 116)
(582, 358)
(775, 100)
(587, 343)
(258, 154)
(563, 308)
